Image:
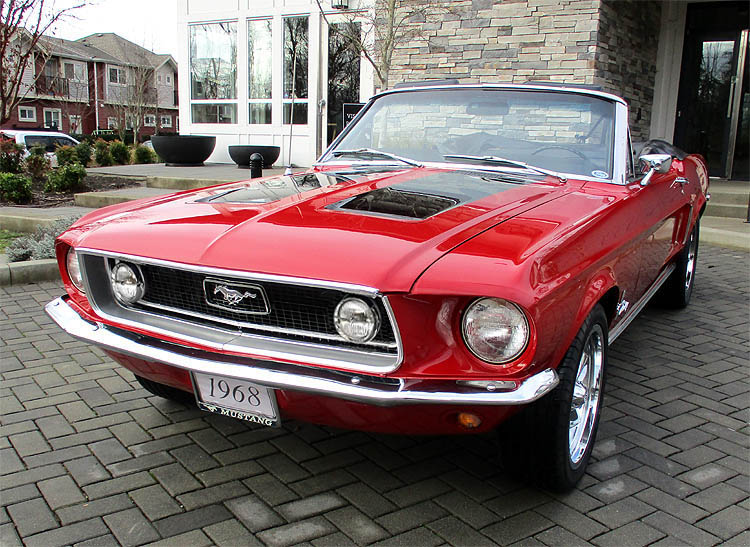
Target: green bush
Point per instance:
(66, 155)
(102, 155)
(37, 165)
(143, 154)
(120, 152)
(83, 153)
(15, 188)
(68, 178)
(40, 244)
(11, 156)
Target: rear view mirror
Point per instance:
(654, 163)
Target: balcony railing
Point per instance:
(63, 88)
(53, 86)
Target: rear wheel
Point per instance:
(166, 392)
(678, 289)
(554, 437)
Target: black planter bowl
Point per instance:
(240, 154)
(183, 150)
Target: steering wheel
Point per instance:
(554, 146)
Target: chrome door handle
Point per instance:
(681, 180)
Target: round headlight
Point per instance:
(126, 284)
(74, 269)
(495, 330)
(356, 320)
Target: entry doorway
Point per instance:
(713, 104)
(343, 76)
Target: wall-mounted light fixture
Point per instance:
(340, 4)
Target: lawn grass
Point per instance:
(6, 236)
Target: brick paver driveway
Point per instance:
(88, 458)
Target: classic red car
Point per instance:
(459, 254)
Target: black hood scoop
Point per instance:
(402, 203)
(426, 196)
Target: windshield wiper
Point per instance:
(505, 161)
(372, 153)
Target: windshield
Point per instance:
(563, 132)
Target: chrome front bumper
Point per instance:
(353, 387)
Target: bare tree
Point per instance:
(22, 24)
(134, 100)
(376, 33)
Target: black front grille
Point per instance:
(308, 310)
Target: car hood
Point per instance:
(369, 227)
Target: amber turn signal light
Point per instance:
(469, 420)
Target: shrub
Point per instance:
(68, 178)
(37, 165)
(102, 154)
(66, 155)
(143, 154)
(40, 244)
(120, 152)
(11, 156)
(83, 153)
(15, 188)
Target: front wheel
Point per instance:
(555, 435)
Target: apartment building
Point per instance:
(97, 83)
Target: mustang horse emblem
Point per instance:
(232, 297)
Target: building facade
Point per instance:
(679, 64)
(92, 84)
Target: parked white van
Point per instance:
(49, 140)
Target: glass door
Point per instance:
(713, 88)
(343, 76)
(739, 139)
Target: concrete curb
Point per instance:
(25, 224)
(30, 271)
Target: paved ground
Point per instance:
(86, 458)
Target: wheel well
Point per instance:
(609, 303)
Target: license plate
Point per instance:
(236, 399)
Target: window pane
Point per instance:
(214, 113)
(259, 59)
(295, 58)
(69, 70)
(260, 113)
(300, 113)
(213, 61)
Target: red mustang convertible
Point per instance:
(461, 256)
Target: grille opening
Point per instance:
(307, 311)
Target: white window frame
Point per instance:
(77, 121)
(151, 123)
(76, 66)
(112, 123)
(122, 78)
(169, 79)
(59, 117)
(31, 109)
(165, 117)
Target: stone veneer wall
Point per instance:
(628, 41)
(612, 43)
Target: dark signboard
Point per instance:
(351, 110)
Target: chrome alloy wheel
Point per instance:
(584, 405)
(690, 265)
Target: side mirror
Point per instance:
(653, 163)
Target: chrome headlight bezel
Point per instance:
(131, 285)
(73, 268)
(372, 317)
(519, 321)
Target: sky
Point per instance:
(149, 23)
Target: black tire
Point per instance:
(539, 438)
(166, 392)
(677, 290)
